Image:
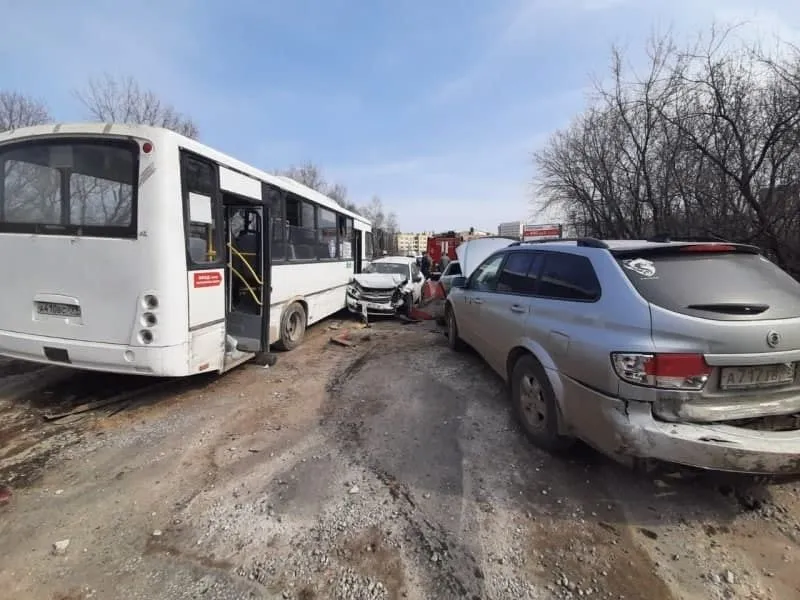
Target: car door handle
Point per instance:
(517, 308)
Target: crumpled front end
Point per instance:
(375, 301)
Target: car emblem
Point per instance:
(773, 339)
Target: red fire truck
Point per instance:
(443, 243)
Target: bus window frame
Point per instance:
(216, 211)
(126, 232)
(280, 212)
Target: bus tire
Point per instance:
(293, 327)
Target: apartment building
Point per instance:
(512, 229)
(411, 243)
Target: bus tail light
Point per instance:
(147, 147)
(148, 319)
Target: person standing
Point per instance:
(426, 265)
(443, 263)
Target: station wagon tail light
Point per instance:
(709, 248)
(666, 371)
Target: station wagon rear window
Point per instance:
(69, 187)
(724, 286)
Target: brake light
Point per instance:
(667, 371)
(709, 248)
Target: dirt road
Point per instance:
(392, 469)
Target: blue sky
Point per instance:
(436, 106)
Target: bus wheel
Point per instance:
(293, 327)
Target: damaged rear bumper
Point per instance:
(627, 429)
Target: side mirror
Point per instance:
(459, 282)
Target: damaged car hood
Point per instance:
(379, 280)
(474, 252)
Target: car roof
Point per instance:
(621, 246)
(612, 244)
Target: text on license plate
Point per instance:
(56, 309)
(732, 378)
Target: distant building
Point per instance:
(411, 243)
(512, 229)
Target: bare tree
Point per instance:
(312, 176)
(374, 212)
(391, 222)
(17, 110)
(124, 100)
(309, 175)
(705, 143)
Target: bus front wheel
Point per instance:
(293, 327)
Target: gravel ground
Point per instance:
(391, 469)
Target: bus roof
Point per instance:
(159, 135)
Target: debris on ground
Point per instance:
(5, 495)
(407, 320)
(343, 340)
(60, 547)
(352, 336)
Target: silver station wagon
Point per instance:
(683, 352)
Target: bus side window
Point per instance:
(278, 224)
(326, 228)
(369, 250)
(199, 187)
(345, 237)
(302, 233)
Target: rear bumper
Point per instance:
(627, 429)
(169, 361)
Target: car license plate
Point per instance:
(740, 378)
(55, 309)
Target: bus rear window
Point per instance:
(69, 188)
(722, 286)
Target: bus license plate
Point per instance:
(55, 309)
(742, 378)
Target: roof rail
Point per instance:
(666, 238)
(586, 242)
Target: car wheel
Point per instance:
(535, 405)
(408, 303)
(293, 327)
(455, 342)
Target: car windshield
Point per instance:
(453, 269)
(387, 267)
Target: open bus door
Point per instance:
(247, 273)
(358, 250)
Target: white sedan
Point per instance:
(386, 285)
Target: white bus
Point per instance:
(133, 249)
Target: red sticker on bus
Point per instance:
(207, 279)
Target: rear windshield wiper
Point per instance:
(732, 308)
